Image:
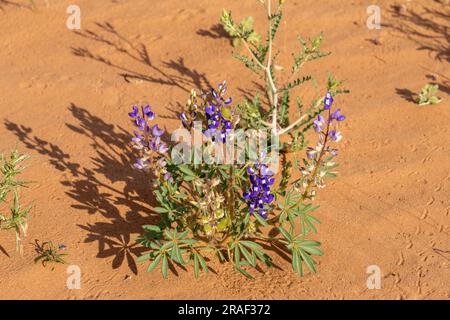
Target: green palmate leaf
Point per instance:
(251, 245)
(311, 247)
(196, 266)
(165, 266)
(176, 255)
(166, 246)
(245, 273)
(161, 210)
(186, 170)
(237, 255)
(285, 233)
(297, 262)
(154, 263)
(144, 257)
(310, 263)
(203, 263)
(248, 256)
(152, 228)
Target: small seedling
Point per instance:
(49, 253)
(16, 219)
(428, 95)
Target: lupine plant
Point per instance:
(15, 217)
(237, 212)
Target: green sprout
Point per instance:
(428, 95)
(49, 253)
(17, 218)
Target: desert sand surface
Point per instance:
(64, 101)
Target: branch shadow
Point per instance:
(216, 31)
(96, 189)
(406, 94)
(6, 3)
(2, 250)
(427, 27)
(173, 73)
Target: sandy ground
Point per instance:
(65, 95)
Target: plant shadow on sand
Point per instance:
(173, 73)
(96, 190)
(429, 29)
(8, 3)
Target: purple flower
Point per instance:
(156, 132)
(183, 117)
(328, 101)
(311, 153)
(168, 177)
(228, 101)
(163, 148)
(210, 110)
(335, 135)
(188, 121)
(133, 114)
(147, 111)
(141, 123)
(141, 164)
(137, 137)
(337, 115)
(317, 124)
(265, 171)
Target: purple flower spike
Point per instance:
(133, 114)
(156, 132)
(258, 197)
(328, 101)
